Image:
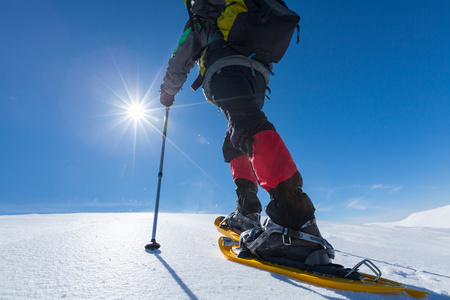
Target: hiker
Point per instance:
(236, 83)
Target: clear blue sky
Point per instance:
(363, 104)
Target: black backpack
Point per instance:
(258, 29)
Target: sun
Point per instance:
(136, 112)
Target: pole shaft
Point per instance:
(160, 174)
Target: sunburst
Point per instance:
(132, 112)
(135, 114)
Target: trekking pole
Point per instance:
(153, 244)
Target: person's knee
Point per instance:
(243, 139)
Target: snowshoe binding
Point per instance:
(303, 249)
(272, 240)
(239, 223)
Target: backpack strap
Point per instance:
(191, 15)
(198, 82)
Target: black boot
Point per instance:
(291, 232)
(289, 206)
(248, 212)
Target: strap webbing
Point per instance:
(275, 228)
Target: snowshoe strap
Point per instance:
(271, 228)
(246, 219)
(225, 224)
(303, 236)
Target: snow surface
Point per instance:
(102, 256)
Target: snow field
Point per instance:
(102, 256)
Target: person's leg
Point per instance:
(291, 231)
(240, 96)
(278, 174)
(248, 212)
(246, 186)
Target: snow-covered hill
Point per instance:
(102, 256)
(435, 218)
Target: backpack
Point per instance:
(258, 29)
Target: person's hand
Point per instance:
(166, 99)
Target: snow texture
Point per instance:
(102, 256)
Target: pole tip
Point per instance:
(152, 246)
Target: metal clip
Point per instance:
(370, 265)
(287, 240)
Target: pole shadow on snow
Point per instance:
(174, 274)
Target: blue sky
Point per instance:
(362, 103)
